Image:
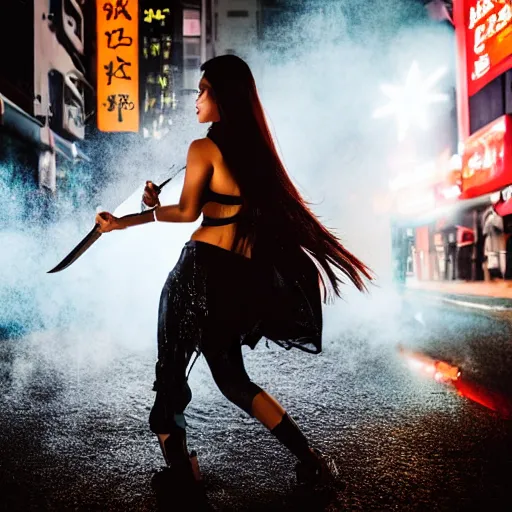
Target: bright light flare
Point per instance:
(441, 371)
(447, 373)
(451, 192)
(409, 102)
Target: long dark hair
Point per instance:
(273, 214)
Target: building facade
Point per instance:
(461, 229)
(43, 87)
(171, 44)
(236, 27)
(88, 73)
(84, 73)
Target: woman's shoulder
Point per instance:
(204, 143)
(205, 146)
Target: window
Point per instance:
(68, 21)
(191, 23)
(487, 104)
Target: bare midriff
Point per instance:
(222, 236)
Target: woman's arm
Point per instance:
(197, 175)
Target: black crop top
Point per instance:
(226, 199)
(211, 196)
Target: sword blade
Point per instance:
(94, 234)
(84, 244)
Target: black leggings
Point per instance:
(228, 372)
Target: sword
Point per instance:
(94, 235)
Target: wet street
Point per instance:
(75, 435)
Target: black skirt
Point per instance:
(214, 297)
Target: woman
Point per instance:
(252, 269)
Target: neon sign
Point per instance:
(159, 15)
(118, 66)
(488, 40)
(486, 159)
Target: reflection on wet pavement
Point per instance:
(75, 433)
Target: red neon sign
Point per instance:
(488, 25)
(486, 161)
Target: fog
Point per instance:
(319, 91)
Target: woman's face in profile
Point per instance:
(206, 108)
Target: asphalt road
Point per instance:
(74, 414)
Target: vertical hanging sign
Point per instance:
(117, 65)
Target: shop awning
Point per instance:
(15, 119)
(504, 208)
(449, 211)
(68, 149)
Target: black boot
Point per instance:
(180, 483)
(321, 472)
(175, 447)
(179, 471)
(289, 434)
(185, 473)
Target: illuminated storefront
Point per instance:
(414, 212)
(471, 231)
(439, 226)
(487, 172)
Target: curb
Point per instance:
(476, 305)
(481, 302)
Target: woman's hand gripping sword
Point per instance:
(94, 234)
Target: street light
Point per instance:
(409, 102)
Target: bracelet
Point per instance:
(154, 215)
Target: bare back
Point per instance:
(222, 182)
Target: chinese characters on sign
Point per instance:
(486, 159)
(488, 39)
(119, 103)
(159, 15)
(118, 65)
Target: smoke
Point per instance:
(319, 94)
(319, 88)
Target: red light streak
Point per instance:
(444, 372)
(483, 396)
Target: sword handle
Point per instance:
(159, 188)
(162, 185)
